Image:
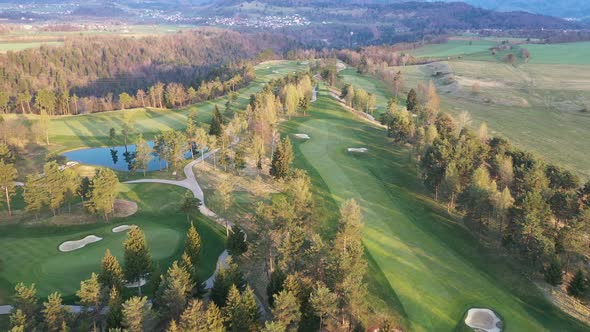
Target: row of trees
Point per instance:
(158, 95)
(538, 210)
(57, 187)
(359, 99)
(102, 67)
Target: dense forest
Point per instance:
(102, 67)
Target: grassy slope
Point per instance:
(452, 48)
(557, 135)
(418, 254)
(30, 253)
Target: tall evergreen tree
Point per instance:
(578, 285)
(193, 318)
(215, 320)
(104, 190)
(90, 295)
(111, 274)
(216, 128)
(235, 313)
(142, 154)
(25, 300)
(54, 314)
(135, 312)
(138, 261)
(412, 100)
(174, 291)
(192, 246)
(115, 313)
(324, 304)
(287, 310)
(282, 159)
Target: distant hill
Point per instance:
(561, 8)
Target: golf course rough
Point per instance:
(423, 261)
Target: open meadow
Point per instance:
(542, 106)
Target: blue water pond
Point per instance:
(119, 158)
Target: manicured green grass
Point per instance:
(30, 253)
(423, 263)
(453, 47)
(90, 130)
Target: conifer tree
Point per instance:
(578, 285)
(103, 192)
(554, 273)
(137, 257)
(412, 100)
(55, 185)
(324, 304)
(193, 318)
(216, 128)
(143, 154)
(287, 310)
(235, 313)
(19, 321)
(54, 313)
(174, 291)
(90, 295)
(215, 320)
(226, 277)
(135, 312)
(111, 274)
(192, 246)
(25, 299)
(115, 314)
(251, 309)
(282, 159)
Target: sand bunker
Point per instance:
(142, 282)
(483, 320)
(123, 228)
(124, 208)
(302, 136)
(358, 149)
(79, 244)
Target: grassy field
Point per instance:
(423, 263)
(453, 47)
(19, 46)
(30, 252)
(522, 103)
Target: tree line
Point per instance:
(540, 212)
(89, 73)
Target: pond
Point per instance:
(119, 158)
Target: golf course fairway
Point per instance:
(420, 257)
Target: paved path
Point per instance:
(190, 183)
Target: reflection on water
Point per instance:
(120, 158)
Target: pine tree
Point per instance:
(216, 128)
(193, 318)
(111, 274)
(25, 299)
(174, 291)
(103, 192)
(235, 314)
(554, 273)
(19, 321)
(7, 177)
(236, 243)
(137, 257)
(189, 204)
(135, 312)
(250, 306)
(115, 314)
(324, 304)
(578, 285)
(412, 100)
(282, 159)
(215, 320)
(287, 310)
(54, 313)
(272, 326)
(192, 245)
(90, 295)
(226, 277)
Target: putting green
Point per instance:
(418, 253)
(30, 253)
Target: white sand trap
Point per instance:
(358, 149)
(483, 320)
(79, 244)
(123, 228)
(142, 282)
(302, 136)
